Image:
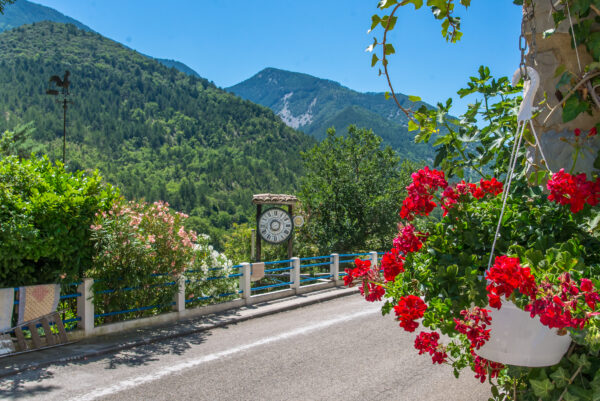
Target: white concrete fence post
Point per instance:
(85, 306)
(334, 267)
(374, 259)
(295, 273)
(179, 297)
(245, 281)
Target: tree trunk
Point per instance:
(550, 53)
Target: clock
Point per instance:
(275, 225)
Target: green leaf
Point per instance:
(374, 60)
(596, 382)
(573, 107)
(387, 95)
(578, 393)
(414, 98)
(542, 388)
(389, 23)
(593, 44)
(581, 360)
(412, 126)
(417, 3)
(561, 377)
(389, 49)
(375, 21)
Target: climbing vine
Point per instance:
(577, 91)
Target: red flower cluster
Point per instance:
(474, 326)
(392, 264)
(420, 193)
(429, 343)
(493, 186)
(507, 275)
(409, 309)
(451, 195)
(482, 367)
(575, 191)
(556, 308)
(407, 241)
(362, 269)
(592, 132)
(369, 288)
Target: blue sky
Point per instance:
(228, 41)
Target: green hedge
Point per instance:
(45, 218)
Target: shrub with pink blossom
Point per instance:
(141, 249)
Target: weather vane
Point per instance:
(64, 85)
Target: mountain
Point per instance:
(154, 131)
(178, 65)
(24, 12)
(313, 104)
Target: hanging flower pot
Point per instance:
(518, 339)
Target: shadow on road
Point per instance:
(176, 339)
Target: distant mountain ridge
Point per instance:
(313, 105)
(24, 12)
(155, 132)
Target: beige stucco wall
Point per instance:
(552, 52)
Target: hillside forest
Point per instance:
(153, 131)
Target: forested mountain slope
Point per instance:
(24, 12)
(156, 132)
(312, 105)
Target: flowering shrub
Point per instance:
(140, 250)
(207, 278)
(547, 263)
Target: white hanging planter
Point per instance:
(517, 339)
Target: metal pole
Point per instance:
(64, 129)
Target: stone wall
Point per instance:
(550, 53)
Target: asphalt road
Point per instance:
(337, 350)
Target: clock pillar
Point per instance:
(279, 222)
(291, 239)
(258, 242)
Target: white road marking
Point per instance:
(137, 381)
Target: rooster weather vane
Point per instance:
(64, 85)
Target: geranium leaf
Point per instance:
(542, 388)
(560, 377)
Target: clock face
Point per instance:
(275, 225)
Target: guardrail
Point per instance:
(283, 278)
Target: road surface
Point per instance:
(337, 350)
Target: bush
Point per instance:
(45, 215)
(207, 280)
(140, 250)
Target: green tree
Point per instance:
(352, 192)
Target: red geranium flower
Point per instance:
(407, 241)
(392, 264)
(409, 309)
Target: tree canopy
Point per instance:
(352, 191)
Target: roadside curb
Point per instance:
(252, 312)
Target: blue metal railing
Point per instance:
(319, 272)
